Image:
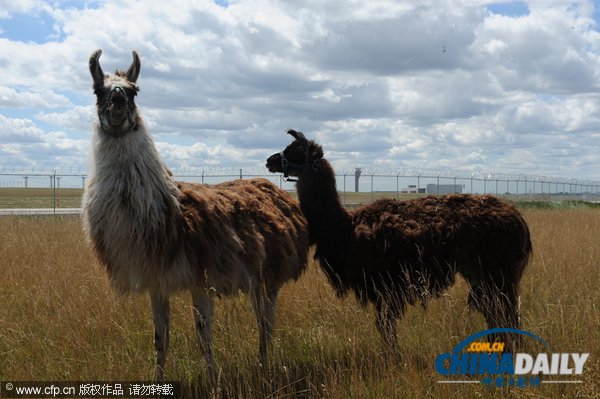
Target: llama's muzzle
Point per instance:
(117, 99)
(274, 163)
(116, 108)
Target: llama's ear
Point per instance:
(300, 137)
(295, 134)
(95, 68)
(134, 70)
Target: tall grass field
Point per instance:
(59, 320)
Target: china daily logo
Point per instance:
(473, 361)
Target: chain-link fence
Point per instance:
(58, 190)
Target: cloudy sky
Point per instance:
(439, 84)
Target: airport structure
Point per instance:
(444, 188)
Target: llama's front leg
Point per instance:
(263, 303)
(202, 319)
(160, 316)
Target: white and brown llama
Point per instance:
(157, 235)
(393, 253)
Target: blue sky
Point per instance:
(28, 28)
(511, 9)
(480, 86)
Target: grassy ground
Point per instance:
(71, 198)
(40, 198)
(59, 320)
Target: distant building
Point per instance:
(412, 189)
(444, 188)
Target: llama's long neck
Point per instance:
(329, 224)
(131, 212)
(130, 183)
(131, 164)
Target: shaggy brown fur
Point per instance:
(392, 253)
(153, 234)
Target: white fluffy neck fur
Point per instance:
(129, 205)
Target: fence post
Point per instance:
(345, 173)
(54, 192)
(371, 188)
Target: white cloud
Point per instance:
(77, 118)
(24, 145)
(12, 98)
(10, 7)
(200, 155)
(19, 131)
(547, 50)
(388, 83)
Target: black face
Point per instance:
(115, 96)
(116, 102)
(293, 153)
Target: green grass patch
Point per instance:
(71, 198)
(40, 197)
(549, 205)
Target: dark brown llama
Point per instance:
(154, 234)
(393, 253)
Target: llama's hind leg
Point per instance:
(202, 307)
(499, 304)
(386, 325)
(160, 317)
(263, 303)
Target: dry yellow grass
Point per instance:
(59, 320)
